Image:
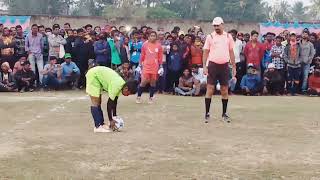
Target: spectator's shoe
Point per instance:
(23, 90)
(206, 118)
(151, 100)
(226, 118)
(101, 129)
(31, 90)
(138, 100)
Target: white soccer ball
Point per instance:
(119, 123)
(218, 87)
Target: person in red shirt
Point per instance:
(151, 63)
(254, 51)
(196, 52)
(314, 82)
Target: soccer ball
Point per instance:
(119, 123)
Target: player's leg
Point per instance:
(97, 114)
(153, 88)
(144, 81)
(112, 111)
(211, 84)
(223, 77)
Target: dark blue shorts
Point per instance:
(294, 74)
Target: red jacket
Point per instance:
(255, 54)
(314, 82)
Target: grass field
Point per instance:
(50, 136)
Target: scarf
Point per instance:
(293, 50)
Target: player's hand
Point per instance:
(234, 71)
(205, 70)
(161, 71)
(113, 125)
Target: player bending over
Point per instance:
(100, 78)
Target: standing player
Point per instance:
(100, 79)
(151, 62)
(218, 50)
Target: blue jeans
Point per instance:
(50, 81)
(305, 75)
(184, 93)
(232, 84)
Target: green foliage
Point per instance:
(160, 13)
(299, 11)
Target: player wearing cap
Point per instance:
(218, 51)
(100, 78)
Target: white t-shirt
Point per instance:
(200, 76)
(238, 47)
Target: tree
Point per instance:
(315, 9)
(282, 12)
(205, 10)
(298, 12)
(160, 12)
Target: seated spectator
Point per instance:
(273, 81)
(186, 84)
(70, 72)
(7, 83)
(52, 74)
(25, 78)
(251, 82)
(125, 71)
(174, 64)
(102, 51)
(314, 82)
(17, 65)
(200, 79)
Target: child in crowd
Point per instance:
(174, 64)
(186, 84)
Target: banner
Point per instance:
(277, 27)
(13, 21)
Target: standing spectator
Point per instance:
(97, 30)
(238, 52)
(306, 56)
(81, 56)
(70, 42)
(13, 31)
(20, 43)
(115, 45)
(251, 82)
(102, 51)
(88, 28)
(273, 81)
(246, 38)
(314, 82)
(70, 72)
(186, 85)
(254, 51)
(67, 26)
(7, 82)
(277, 55)
(56, 42)
(34, 47)
(7, 45)
(25, 78)
(196, 52)
(316, 43)
(135, 46)
(1, 29)
(269, 42)
(291, 57)
(174, 63)
(45, 42)
(124, 51)
(17, 65)
(52, 74)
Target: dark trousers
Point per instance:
(275, 87)
(241, 71)
(172, 80)
(22, 84)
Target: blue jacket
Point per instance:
(174, 61)
(102, 51)
(68, 69)
(135, 51)
(251, 81)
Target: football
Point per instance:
(119, 123)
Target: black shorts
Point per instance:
(218, 72)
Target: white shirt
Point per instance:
(238, 47)
(200, 76)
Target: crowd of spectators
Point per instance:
(57, 58)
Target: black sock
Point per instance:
(140, 91)
(151, 91)
(224, 106)
(98, 119)
(101, 114)
(207, 103)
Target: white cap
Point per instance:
(271, 66)
(250, 65)
(217, 21)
